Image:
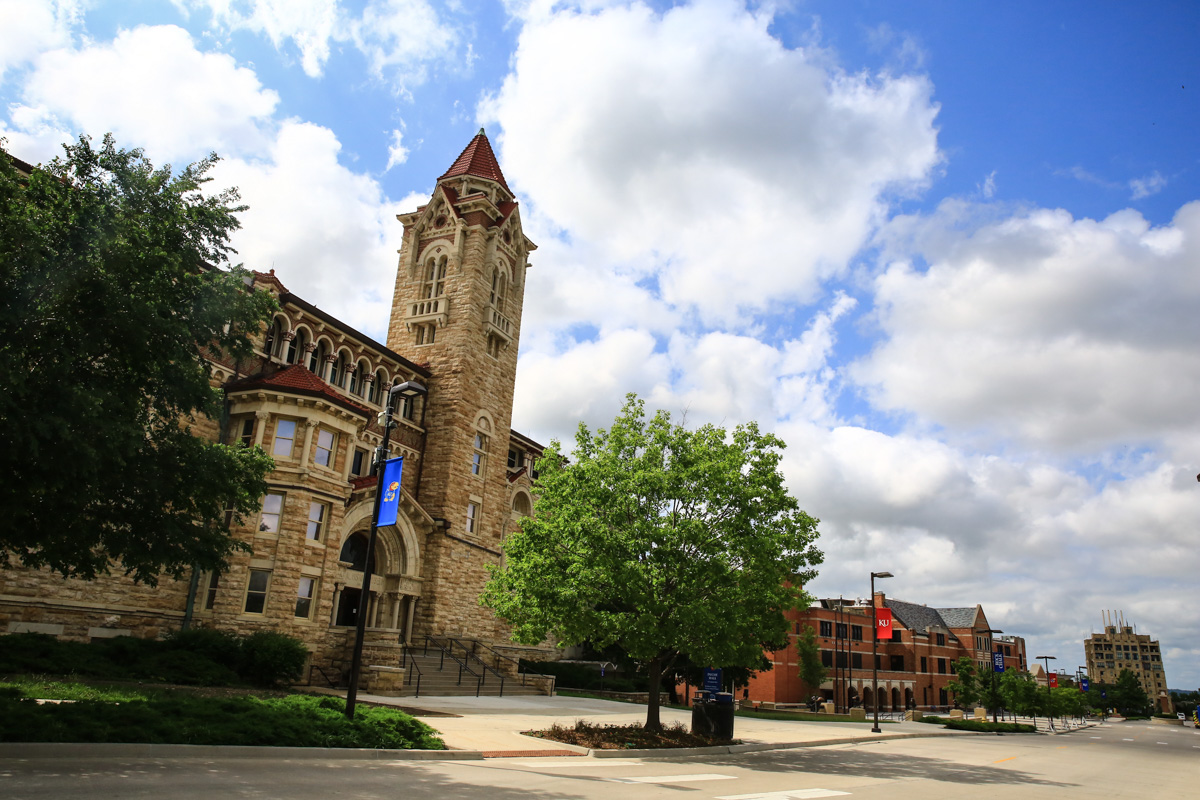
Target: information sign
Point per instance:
(712, 680)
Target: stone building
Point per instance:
(310, 397)
(1119, 648)
(915, 666)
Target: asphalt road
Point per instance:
(1135, 760)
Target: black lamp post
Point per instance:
(406, 389)
(992, 667)
(1049, 698)
(875, 649)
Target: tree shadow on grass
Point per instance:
(866, 762)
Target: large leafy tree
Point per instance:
(665, 541)
(1128, 696)
(812, 671)
(110, 312)
(966, 687)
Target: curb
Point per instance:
(755, 747)
(25, 750)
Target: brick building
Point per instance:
(915, 665)
(1119, 648)
(310, 397)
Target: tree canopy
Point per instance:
(665, 541)
(112, 306)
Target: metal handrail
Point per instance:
(462, 666)
(404, 664)
(498, 656)
(470, 654)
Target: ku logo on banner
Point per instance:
(883, 623)
(389, 505)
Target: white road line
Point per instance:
(1097, 737)
(699, 776)
(1160, 742)
(791, 794)
(1127, 740)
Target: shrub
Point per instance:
(221, 647)
(271, 659)
(980, 726)
(585, 676)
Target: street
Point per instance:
(1131, 759)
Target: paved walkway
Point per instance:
(494, 724)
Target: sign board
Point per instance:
(1053, 680)
(1084, 684)
(883, 624)
(712, 680)
(997, 661)
(389, 506)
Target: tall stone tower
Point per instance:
(457, 310)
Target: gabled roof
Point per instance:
(477, 159)
(916, 617)
(959, 617)
(296, 379)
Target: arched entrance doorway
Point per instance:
(354, 557)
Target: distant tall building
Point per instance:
(1119, 648)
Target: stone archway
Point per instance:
(395, 580)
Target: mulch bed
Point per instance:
(627, 737)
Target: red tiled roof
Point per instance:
(479, 160)
(364, 482)
(296, 379)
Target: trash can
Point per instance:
(713, 717)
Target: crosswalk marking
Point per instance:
(699, 776)
(791, 794)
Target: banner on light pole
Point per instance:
(389, 506)
(997, 661)
(883, 624)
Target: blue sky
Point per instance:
(949, 252)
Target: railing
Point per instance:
(404, 664)
(448, 650)
(500, 322)
(518, 669)
(430, 307)
(469, 653)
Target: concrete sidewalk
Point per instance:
(493, 725)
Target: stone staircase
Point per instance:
(449, 668)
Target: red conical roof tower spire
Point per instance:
(477, 159)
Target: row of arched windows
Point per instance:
(341, 370)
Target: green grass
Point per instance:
(805, 716)
(166, 716)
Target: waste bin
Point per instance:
(713, 716)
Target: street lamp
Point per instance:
(992, 668)
(407, 389)
(1049, 699)
(875, 649)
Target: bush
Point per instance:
(980, 726)
(271, 659)
(585, 676)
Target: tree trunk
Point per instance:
(654, 669)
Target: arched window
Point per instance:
(316, 364)
(356, 380)
(296, 348)
(435, 278)
(274, 340)
(521, 505)
(377, 387)
(354, 552)
(337, 371)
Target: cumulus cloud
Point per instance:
(397, 152)
(695, 147)
(1144, 187)
(202, 101)
(329, 232)
(308, 24)
(1068, 334)
(33, 26)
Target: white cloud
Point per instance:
(29, 27)
(150, 85)
(308, 24)
(397, 152)
(329, 232)
(695, 147)
(1067, 334)
(1144, 187)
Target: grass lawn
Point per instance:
(135, 714)
(791, 716)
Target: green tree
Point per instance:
(812, 671)
(990, 694)
(1021, 693)
(1128, 696)
(110, 313)
(966, 687)
(662, 540)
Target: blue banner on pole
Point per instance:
(998, 661)
(389, 506)
(1084, 685)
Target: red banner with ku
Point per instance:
(1053, 680)
(883, 624)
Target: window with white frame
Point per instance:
(325, 443)
(246, 434)
(360, 463)
(472, 517)
(479, 455)
(256, 591)
(285, 438)
(318, 519)
(272, 512)
(305, 593)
